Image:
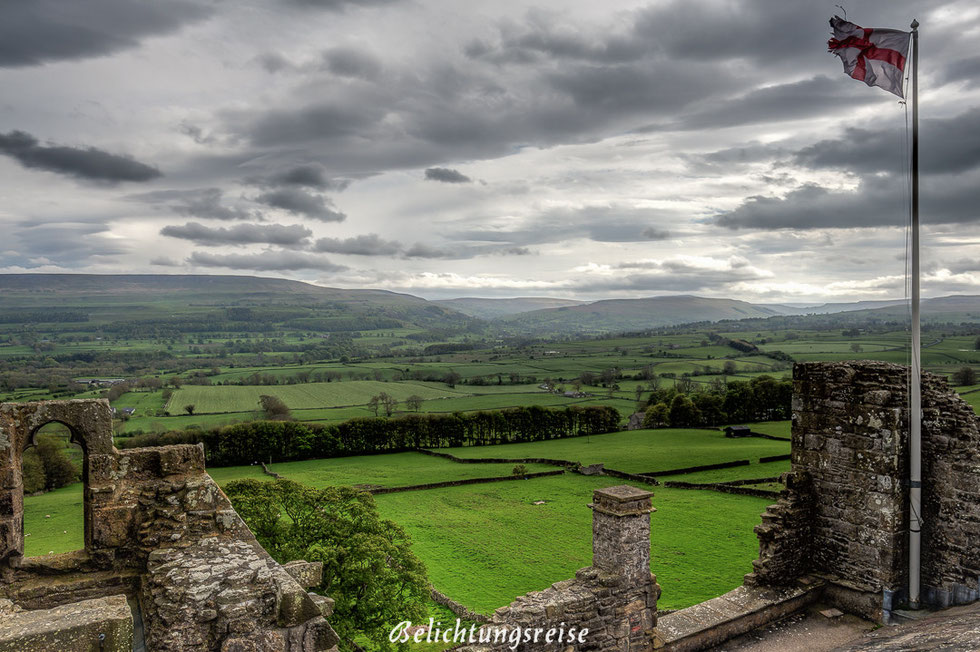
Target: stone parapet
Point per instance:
(161, 531)
(104, 624)
(844, 514)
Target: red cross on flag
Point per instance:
(874, 56)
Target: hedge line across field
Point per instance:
(286, 441)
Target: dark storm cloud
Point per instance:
(598, 223)
(316, 122)
(361, 245)
(198, 202)
(446, 175)
(422, 250)
(276, 234)
(350, 62)
(300, 202)
(967, 70)
(340, 5)
(792, 101)
(962, 266)
(273, 62)
(265, 261)
(651, 233)
(163, 261)
(461, 252)
(641, 87)
(542, 36)
(33, 32)
(64, 243)
(861, 151)
(944, 148)
(309, 175)
(878, 202)
(450, 109)
(87, 163)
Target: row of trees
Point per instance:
(763, 398)
(282, 441)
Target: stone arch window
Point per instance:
(90, 425)
(53, 465)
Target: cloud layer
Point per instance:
(584, 150)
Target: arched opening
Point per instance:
(52, 470)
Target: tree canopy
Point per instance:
(368, 566)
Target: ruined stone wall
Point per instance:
(615, 598)
(844, 514)
(160, 531)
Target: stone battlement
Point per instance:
(844, 513)
(158, 532)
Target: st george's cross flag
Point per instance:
(874, 56)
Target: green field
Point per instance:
(212, 399)
(484, 545)
(53, 521)
(394, 470)
(640, 451)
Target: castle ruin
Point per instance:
(169, 565)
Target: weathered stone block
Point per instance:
(98, 624)
(308, 574)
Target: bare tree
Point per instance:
(414, 402)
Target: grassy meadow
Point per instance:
(486, 544)
(640, 451)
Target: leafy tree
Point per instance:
(452, 378)
(59, 471)
(189, 408)
(117, 390)
(274, 408)
(368, 566)
(656, 416)
(729, 368)
(965, 376)
(608, 376)
(32, 470)
(976, 345)
(711, 407)
(414, 402)
(683, 412)
(856, 348)
(519, 470)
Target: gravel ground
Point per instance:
(806, 631)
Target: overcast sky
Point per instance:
(445, 148)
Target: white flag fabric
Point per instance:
(874, 56)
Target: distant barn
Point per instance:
(738, 431)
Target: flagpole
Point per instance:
(915, 388)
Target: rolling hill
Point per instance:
(615, 315)
(166, 298)
(497, 308)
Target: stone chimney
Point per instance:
(621, 532)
